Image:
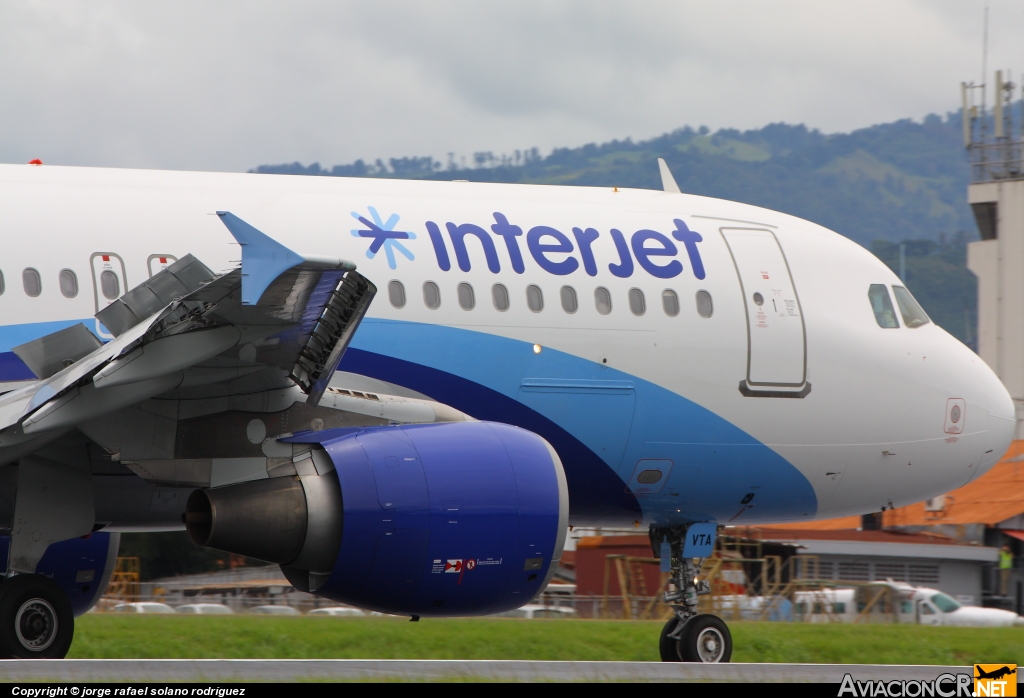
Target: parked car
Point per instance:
(348, 611)
(142, 607)
(275, 611)
(538, 611)
(211, 609)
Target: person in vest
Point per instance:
(1005, 567)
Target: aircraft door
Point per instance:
(776, 341)
(158, 262)
(927, 614)
(109, 282)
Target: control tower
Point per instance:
(996, 195)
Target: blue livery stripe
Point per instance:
(13, 335)
(499, 379)
(14, 369)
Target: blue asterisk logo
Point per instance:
(384, 236)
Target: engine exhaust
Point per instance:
(264, 519)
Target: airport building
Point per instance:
(996, 196)
(781, 560)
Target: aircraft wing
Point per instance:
(280, 314)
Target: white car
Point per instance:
(142, 607)
(275, 611)
(212, 609)
(348, 611)
(538, 611)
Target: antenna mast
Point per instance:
(984, 74)
(996, 150)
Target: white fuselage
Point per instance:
(838, 415)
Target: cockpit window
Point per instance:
(878, 294)
(913, 314)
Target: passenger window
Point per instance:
(670, 302)
(569, 302)
(32, 282)
(396, 294)
(913, 314)
(68, 283)
(881, 304)
(637, 306)
(431, 295)
(603, 300)
(499, 294)
(110, 285)
(839, 607)
(705, 308)
(649, 477)
(534, 298)
(467, 299)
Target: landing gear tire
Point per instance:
(706, 638)
(669, 646)
(36, 621)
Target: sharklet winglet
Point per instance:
(264, 259)
(668, 182)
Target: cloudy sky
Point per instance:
(227, 86)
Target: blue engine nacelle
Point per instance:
(81, 567)
(464, 518)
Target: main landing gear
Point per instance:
(688, 636)
(36, 621)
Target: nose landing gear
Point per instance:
(688, 636)
(702, 638)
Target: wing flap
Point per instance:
(183, 277)
(187, 326)
(55, 352)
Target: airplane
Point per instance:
(559, 356)
(995, 673)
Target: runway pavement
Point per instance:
(259, 670)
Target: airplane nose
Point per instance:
(1003, 406)
(1002, 420)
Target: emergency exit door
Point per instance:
(776, 341)
(108, 284)
(158, 262)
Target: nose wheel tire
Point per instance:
(36, 621)
(668, 646)
(705, 638)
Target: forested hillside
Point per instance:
(904, 181)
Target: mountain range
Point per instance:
(903, 182)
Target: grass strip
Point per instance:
(249, 637)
